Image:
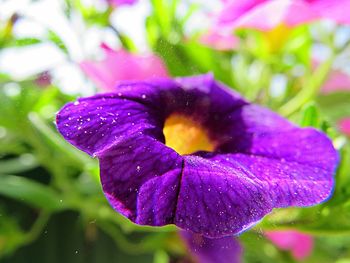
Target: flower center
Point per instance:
(186, 136)
(277, 37)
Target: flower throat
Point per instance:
(186, 136)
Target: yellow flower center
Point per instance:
(186, 136)
(277, 37)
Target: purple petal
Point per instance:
(128, 139)
(216, 200)
(140, 178)
(97, 123)
(207, 250)
(296, 169)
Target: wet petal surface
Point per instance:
(260, 161)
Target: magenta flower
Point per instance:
(266, 15)
(344, 126)
(269, 14)
(207, 250)
(120, 66)
(220, 41)
(336, 81)
(299, 244)
(193, 153)
(332, 10)
(121, 2)
(43, 79)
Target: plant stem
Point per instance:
(311, 88)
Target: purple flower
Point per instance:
(207, 250)
(193, 153)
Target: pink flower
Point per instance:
(43, 79)
(268, 14)
(336, 81)
(220, 41)
(344, 126)
(336, 10)
(121, 65)
(299, 244)
(121, 2)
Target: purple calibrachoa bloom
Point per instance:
(207, 250)
(193, 153)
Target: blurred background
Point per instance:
(291, 56)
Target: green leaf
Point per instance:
(30, 192)
(310, 89)
(16, 165)
(126, 42)
(299, 44)
(175, 58)
(209, 60)
(162, 14)
(10, 234)
(310, 116)
(334, 105)
(52, 138)
(22, 42)
(152, 31)
(342, 187)
(53, 37)
(161, 256)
